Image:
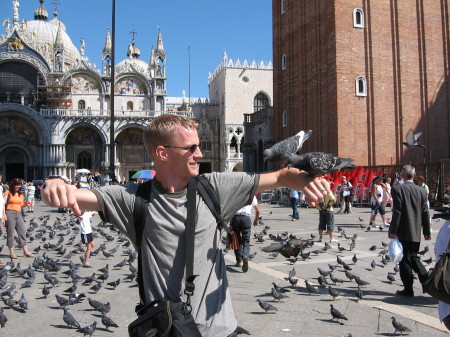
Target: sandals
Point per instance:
(29, 255)
(87, 265)
(13, 257)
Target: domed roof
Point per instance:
(138, 65)
(41, 36)
(133, 60)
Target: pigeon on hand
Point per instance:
(319, 162)
(266, 306)
(399, 326)
(412, 139)
(279, 152)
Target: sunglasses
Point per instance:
(191, 148)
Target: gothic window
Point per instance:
(205, 143)
(81, 105)
(283, 6)
(283, 62)
(284, 119)
(361, 86)
(358, 18)
(260, 102)
(130, 105)
(84, 160)
(233, 146)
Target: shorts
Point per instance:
(375, 208)
(326, 221)
(86, 238)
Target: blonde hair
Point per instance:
(160, 130)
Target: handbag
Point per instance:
(395, 250)
(166, 318)
(438, 282)
(233, 241)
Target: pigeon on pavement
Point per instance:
(70, 320)
(399, 326)
(106, 321)
(336, 314)
(266, 306)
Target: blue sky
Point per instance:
(242, 28)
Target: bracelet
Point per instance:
(63, 178)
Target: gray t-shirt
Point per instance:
(163, 244)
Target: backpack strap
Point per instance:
(139, 215)
(211, 199)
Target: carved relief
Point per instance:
(84, 84)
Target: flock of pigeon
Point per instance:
(337, 280)
(55, 272)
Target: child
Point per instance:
(326, 217)
(86, 236)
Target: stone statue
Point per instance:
(16, 6)
(83, 46)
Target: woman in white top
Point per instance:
(387, 198)
(376, 201)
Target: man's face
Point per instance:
(182, 162)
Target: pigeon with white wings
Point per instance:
(279, 152)
(412, 139)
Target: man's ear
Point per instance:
(161, 153)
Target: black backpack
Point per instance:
(140, 213)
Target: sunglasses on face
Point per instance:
(191, 148)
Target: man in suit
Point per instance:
(409, 218)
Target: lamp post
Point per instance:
(111, 120)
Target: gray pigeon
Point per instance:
(266, 306)
(399, 326)
(319, 162)
(23, 303)
(279, 152)
(334, 293)
(106, 321)
(360, 282)
(278, 296)
(70, 320)
(412, 139)
(312, 289)
(90, 329)
(336, 314)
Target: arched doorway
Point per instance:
(15, 163)
(84, 160)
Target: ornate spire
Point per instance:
(59, 42)
(41, 12)
(159, 43)
(108, 45)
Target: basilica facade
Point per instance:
(55, 104)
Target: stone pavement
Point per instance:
(299, 315)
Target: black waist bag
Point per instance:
(164, 319)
